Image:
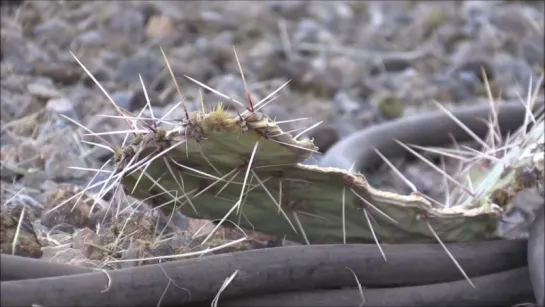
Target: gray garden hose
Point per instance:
(536, 261)
(427, 129)
(18, 268)
(500, 289)
(263, 271)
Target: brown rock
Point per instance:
(200, 227)
(73, 213)
(58, 72)
(88, 242)
(159, 27)
(27, 242)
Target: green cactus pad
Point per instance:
(203, 172)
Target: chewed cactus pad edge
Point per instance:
(244, 169)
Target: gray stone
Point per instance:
(146, 65)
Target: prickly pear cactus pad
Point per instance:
(243, 169)
(518, 182)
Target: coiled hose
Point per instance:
(411, 273)
(264, 271)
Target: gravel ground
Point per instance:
(351, 64)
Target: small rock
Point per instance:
(390, 65)
(353, 114)
(288, 9)
(49, 185)
(278, 112)
(84, 99)
(513, 21)
(518, 71)
(62, 106)
(10, 169)
(159, 27)
(230, 85)
(307, 30)
(54, 32)
(475, 67)
(129, 69)
(33, 178)
(123, 100)
(27, 242)
(58, 163)
(87, 241)
(93, 38)
(449, 89)
(140, 226)
(29, 156)
(101, 219)
(139, 101)
(104, 124)
(58, 72)
(141, 249)
(344, 104)
(391, 107)
(129, 21)
(349, 71)
(200, 227)
(100, 73)
(179, 240)
(533, 51)
(214, 21)
(18, 199)
(74, 213)
(45, 90)
(178, 221)
(19, 52)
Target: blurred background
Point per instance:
(351, 64)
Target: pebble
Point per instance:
(123, 99)
(160, 27)
(68, 217)
(392, 65)
(55, 32)
(476, 68)
(62, 106)
(44, 90)
(87, 241)
(27, 243)
(230, 85)
(146, 65)
(533, 51)
(92, 38)
(307, 30)
(58, 72)
(57, 166)
(128, 21)
(518, 72)
(452, 90)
